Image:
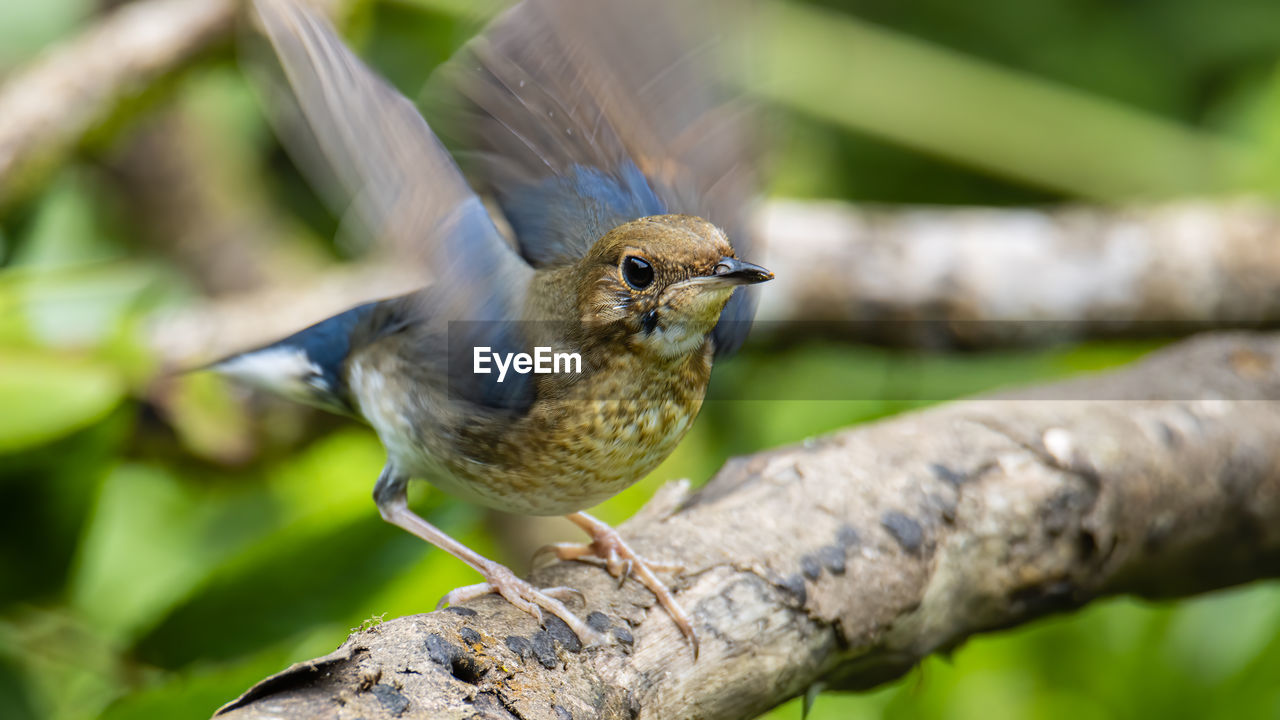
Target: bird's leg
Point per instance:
(621, 561)
(390, 495)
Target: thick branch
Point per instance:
(847, 559)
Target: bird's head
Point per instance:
(660, 282)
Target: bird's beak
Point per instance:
(732, 271)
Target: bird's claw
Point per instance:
(528, 598)
(607, 548)
(618, 565)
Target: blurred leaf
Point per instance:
(832, 386)
(15, 685)
(310, 547)
(210, 423)
(1108, 660)
(332, 482)
(68, 282)
(941, 102)
(299, 581)
(1212, 650)
(1098, 356)
(124, 579)
(77, 306)
(46, 493)
(1260, 118)
(72, 672)
(938, 101)
(67, 229)
(25, 27)
(200, 691)
(126, 583)
(48, 396)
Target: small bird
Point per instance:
(623, 173)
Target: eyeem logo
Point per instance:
(541, 362)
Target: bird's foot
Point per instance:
(609, 549)
(522, 594)
(620, 560)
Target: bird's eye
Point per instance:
(638, 273)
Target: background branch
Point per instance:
(914, 276)
(944, 277)
(846, 560)
(47, 107)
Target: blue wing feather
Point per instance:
(586, 115)
(410, 195)
(565, 214)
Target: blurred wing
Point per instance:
(404, 187)
(585, 115)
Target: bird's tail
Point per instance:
(307, 366)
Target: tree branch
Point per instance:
(847, 559)
(983, 276)
(47, 107)
(934, 278)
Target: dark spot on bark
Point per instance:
(945, 506)
(519, 646)
(561, 713)
(390, 699)
(463, 611)
(598, 621)
(441, 651)
(1169, 436)
(1157, 534)
(457, 661)
(623, 635)
(947, 475)
(794, 584)
(561, 633)
(1086, 545)
(368, 678)
(848, 537)
(467, 669)
(1241, 475)
(810, 567)
(1050, 597)
(905, 530)
(1059, 512)
(544, 649)
(491, 706)
(469, 636)
(832, 558)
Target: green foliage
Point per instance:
(49, 397)
(162, 546)
(1211, 657)
(25, 27)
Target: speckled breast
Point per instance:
(581, 448)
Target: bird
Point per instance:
(619, 173)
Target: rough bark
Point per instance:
(847, 559)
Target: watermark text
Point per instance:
(541, 362)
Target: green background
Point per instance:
(165, 544)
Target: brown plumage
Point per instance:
(586, 436)
(613, 264)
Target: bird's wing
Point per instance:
(585, 115)
(405, 189)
